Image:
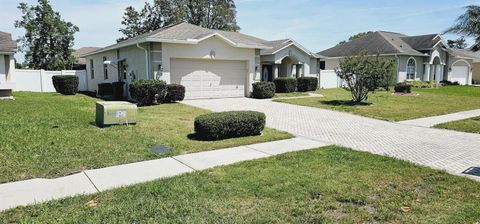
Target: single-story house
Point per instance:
(8, 47)
(209, 63)
(80, 63)
(424, 57)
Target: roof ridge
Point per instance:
(390, 42)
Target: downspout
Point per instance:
(147, 69)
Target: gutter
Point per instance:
(147, 70)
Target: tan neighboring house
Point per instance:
(8, 47)
(81, 63)
(424, 57)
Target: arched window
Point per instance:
(411, 68)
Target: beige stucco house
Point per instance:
(8, 47)
(209, 63)
(424, 57)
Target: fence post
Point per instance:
(42, 73)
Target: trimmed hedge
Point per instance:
(403, 88)
(175, 92)
(449, 83)
(305, 84)
(263, 90)
(105, 89)
(215, 126)
(285, 85)
(65, 84)
(148, 92)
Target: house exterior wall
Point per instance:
(210, 49)
(476, 73)
(295, 54)
(3, 70)
(402, 67)
(331, 64)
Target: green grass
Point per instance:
(386, 106)
(471, 125)
(49, 135)
(327, 185)
(294, 94)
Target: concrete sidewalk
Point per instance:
(432, 121)
(92, 181)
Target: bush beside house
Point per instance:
(285, 85)
(263, 90)
(148, 92)
(215, 126)
(175, 93)
(403, 87)
(65, 84)
(306, 84)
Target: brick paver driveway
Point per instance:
(452, 151)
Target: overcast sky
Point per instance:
(316, 24)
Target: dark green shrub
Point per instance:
(263, 90)
(148, 92)
(65, 84)
(175, 92)
(117, 90)
(449, 83)
(403, 87)
(305, 84)
(285, 85)
(105, 89)
(230, 124)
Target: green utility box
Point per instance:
(115, 112)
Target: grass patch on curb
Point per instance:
(471, 125)
(387, 106)
(50, 135)
(326, 185)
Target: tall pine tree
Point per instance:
(48, 39)
(213, 14)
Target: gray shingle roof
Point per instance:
(276, 45)
(382, 42)
(6, 43)
(464, 53)
(81, 51)
(185, 32)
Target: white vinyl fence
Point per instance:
(41, 80)
(329, 79)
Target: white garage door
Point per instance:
(460, 74)
(209, 78)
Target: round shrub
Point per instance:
(305, 84)
(403, 88)
(175, 92)
(285, 85)
(65, 84)
(105, 89)
(148, 92)
(263, 90)
(215, 126)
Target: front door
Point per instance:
(267, 73)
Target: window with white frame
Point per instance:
(105, 68)
(411, 68)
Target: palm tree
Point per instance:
(468, 25)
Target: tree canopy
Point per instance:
(213, 14)
(48, 39)
(468, 25)
(356, 36)
(459, 43)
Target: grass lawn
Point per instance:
(48, 135)
(326, 185)
(429, 102)
(294, 94)
(471, 125)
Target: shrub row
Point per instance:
(65, 84)
(285, 85)
(215, 126)
(148, 92)
(305, 84)
(449, 83)
(403, 87)
(421, 84)
(175, 92)
(263, 90)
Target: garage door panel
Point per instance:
(209, 78)
(460, 74)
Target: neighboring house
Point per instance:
(81, 63)
(209, 63)
(8, 47)
(424, 57)
(287, 58)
